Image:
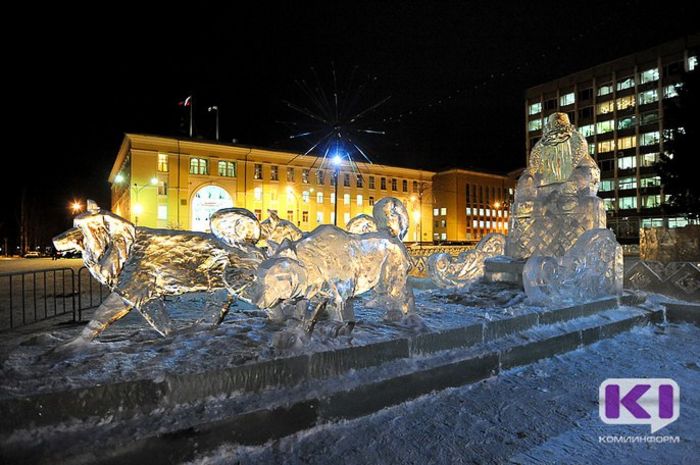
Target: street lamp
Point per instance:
(76, 207)
(336, 161)
(138, 208)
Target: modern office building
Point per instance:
(167, 182)
(619, 107)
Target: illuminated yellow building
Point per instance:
(165, 182)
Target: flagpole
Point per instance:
(191, 107)
(217, 123)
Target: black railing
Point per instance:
(32, 296)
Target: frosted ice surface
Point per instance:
(448, 271)
(276, 230)
(361, 224)
(235, 226)
(390, 214)
(591, 269)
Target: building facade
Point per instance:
(165, 182)
(619, 107)
(470, 204)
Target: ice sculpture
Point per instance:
(448, 271)
(391, 215)
(235, 226)
(591, 269)
(274, 229)
(555, 198)
(141, 265)
(361, 224)
(329, 266)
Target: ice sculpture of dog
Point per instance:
(329, 266)
(141, 265)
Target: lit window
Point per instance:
(475, 223)
(162, 188)
(319, 177)
(257, 192)
(650, 181)
(227, 169)
(607, 185)
(609, 204)
(436, 212)
(605, 126)
(649, 75)
(567, 99)
(626, 163)
(199, 166)
(488, 212)
(319, 217)
(650, 96)
(332, 197)
(443, 236)
(692, 63)
(359, 200)
(443, 211)
(627, 203)
(627, 83)
(534, 108)
(605, 89)
(606, 146)
(274, 173)
(627, 183)
(678, 222)
(626, 123)
(319, 197)
(163, 162)
(346, 199)
(162, 212)
(534, 125)
(305, 196)
(305, 176)
(625, 102)
(481, 223)
(626, 142)
(587, 130)
(359, 180)
(290, 174)
(605, 107)
(649, 138)
(488, 224)
(481, 212)
(258, 171)
(469, 210)
(671, 91)
(649, 159)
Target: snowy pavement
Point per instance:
(544, 413)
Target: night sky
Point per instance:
(456, 73)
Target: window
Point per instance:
(627, 183)
(650, 96)
(443, 211)
(443, 236)
(534, 108)
(394, 184)
(534, 125)
(649, 138)
(258, 171)
(652, 222)
(274, 173)
(371, 182)
(371, 201)
(346, 199)
(591, 149)
(626, 83)
(677, 222)
(624, 143)
(625, 102)
(333, 217)
(332, 197)
(606, 165)
(626, 163)
(290, 174)
(415, 186)
(607, 185)
(605, 89)
(162, 188)
(609, 204)
(627, 203)
(692, 63)
(163, 164)
(585, 94)
(468, 211)
(626, 123)
(162, 212)
(606, 146)
(605, 126)
(650, 181)
(382, 184)
(404, 185)
(649, 75)
(227, 169)
(305, 176)
(319, 217)
(319, 177)
(359, 200)
(346, 179)
(443, 223)
(346, 217)
(650, 117)
(305, 196)
(671, 91)
(199, 166)
(319, 197)
(436, 211)
(605, 107)
(290, 215)
(304, 217)
(359, 181)
(257, 193)
(585, 113)
(649, 159)
(567, 99)
(550, 104)
(587, 130)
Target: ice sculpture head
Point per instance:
(235, 226)
(391, 215)
(276, 280)
(276, 229)
(361, 224)
(69, 240)
(557, 121)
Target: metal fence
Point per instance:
(32, 296)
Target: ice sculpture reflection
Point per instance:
(141, 265)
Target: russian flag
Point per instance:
(185, 103)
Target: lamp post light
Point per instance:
(76, 207)
(336, 160)
(138, 208)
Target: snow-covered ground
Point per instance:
(130, 350)
(544, 413)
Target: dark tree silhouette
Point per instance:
(678, 167)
